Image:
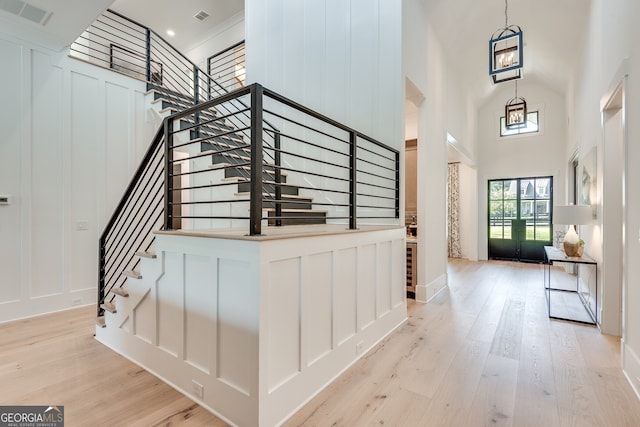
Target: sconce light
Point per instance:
(505, 52)
(515, 112)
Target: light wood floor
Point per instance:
(483, 353)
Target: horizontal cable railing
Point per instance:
(130, 228)
(228, 67)
(302, 168)
(116, 42)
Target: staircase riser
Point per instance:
(243, 172)
(244, 187)
(180, 102)
(288, 205)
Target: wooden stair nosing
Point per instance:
(123, 292)
(218, 166)
(299, 211)
(285, 197)
(100, 321)
(132, 273)
(146, 254)
(108, 306)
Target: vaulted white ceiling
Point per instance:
(162, 15)
(553, 33)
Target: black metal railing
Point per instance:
(121, 44)
(228, 67)
(139, 212)
(250, 158)
(303, 168)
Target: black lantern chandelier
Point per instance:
(505, 52)
(515, 112)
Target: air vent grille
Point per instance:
(201, 16)
(25, 10)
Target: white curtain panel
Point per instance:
(453, 208)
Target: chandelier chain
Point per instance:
(506, 20)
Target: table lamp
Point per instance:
(572, 215)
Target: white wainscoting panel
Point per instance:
(317, 302)
(345, 295)
(260, 325)
(200, 273)
(366, 307)
(235, 323)
(283, 320)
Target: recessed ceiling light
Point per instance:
(171, 33)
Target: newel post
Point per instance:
(255, 209)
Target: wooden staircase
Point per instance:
(227, 150)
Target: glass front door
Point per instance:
(520, 218)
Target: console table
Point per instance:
(555, 255)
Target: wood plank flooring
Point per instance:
(482, 353)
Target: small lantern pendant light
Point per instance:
(515, 112)
(505, 52)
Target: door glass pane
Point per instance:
(511, 189)
(495, 219)
(495, 190)
(527, 189)
(510, 213)
(543, 188)
(526, 209)
(535, 207)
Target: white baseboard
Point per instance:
(425, 293)
(630, 366)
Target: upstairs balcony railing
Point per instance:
(228, 67)
(116, 42)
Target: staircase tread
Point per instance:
(284, 196)
(123, 292)
(132, 273)
(286, 210)
(100, 321)
(146, 254)
(235, 178)
(216, 166)
(110, 307)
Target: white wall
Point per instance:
(522, 156)
(442, 111)
(610, 39)
(221, 37)
(341, 58)
(72, 136)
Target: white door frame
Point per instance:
(613, 268)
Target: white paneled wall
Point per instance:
(262, 325)
(341, 58)
(72, 135)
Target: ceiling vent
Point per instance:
(25, 10)
(200, 16)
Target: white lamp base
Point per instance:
(571, 243)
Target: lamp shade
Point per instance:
(571, 214)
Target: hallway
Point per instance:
(483, 353)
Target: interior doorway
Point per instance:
(613, 211)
